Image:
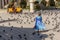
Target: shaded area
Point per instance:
(14, 33)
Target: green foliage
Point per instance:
(43, 2)
(12, 1)
(23, 4)
(52, 3)
(36, 4)
(28, 7)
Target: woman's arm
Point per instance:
(34, 19)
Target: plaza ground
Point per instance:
(22, 28)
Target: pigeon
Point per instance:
(20, 36)
(51, 13)
(33, 33)
(41, 36)
(9, 24)
(17, 18)
(0, 16)
(51, 37)
(11, 27)
(24, 34)
(8, 18)
(52, 21)
(0, 36)
(20, 22)
(52, 34)
(29, 22)
(17, 22)
(11, 37)
(21, 26)
(58, 30)
(45, 22)
(24, 22)
(25, 38)
(52, 24)
(48, 22)
(3, 30)
(8, 39)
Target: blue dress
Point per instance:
(39, 25)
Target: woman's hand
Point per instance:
(34, 19)
(34, 27)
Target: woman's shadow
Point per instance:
(43, 36)
(40, 36)
(20, 33)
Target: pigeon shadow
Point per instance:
(15, 33)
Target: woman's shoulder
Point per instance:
(39, 17)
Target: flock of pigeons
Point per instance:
(12, 26)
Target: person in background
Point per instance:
(39, 25)
(15, 4)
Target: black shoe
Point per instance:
(33, 33)
(0, 36)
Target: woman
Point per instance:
(39, 26)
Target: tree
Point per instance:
(51, 2)
(36, 4)
(43, 2)
(23, 3)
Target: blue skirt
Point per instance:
(40, 26)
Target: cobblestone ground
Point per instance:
(22, 28)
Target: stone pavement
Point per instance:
(22, 28)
